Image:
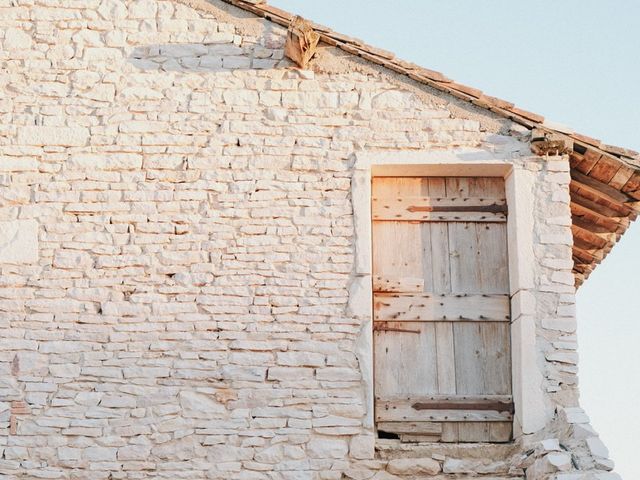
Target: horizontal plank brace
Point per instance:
(427, 209)
(380, 327)
(443, 201)
(426, 307)
(497, 406)
(458, 208)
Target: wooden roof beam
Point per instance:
(613, 224)
(599, 240)
(600, 208)
(599, 188)
(588, 255)
(616, 209)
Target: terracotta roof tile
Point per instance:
(528, 115)
(496, 102)
(586, 139)
(474, 92)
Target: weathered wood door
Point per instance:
(441, 309)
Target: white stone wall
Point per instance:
(177, 245)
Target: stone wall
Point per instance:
(177, 247)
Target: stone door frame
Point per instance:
(530, 412)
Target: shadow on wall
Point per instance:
(202, 57)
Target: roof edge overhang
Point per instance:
(605, 179)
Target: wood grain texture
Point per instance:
(402, 410)
(429, 307)
(405, 363)
(441, 308)
(439, 209)
(425, 428)
(397, 284)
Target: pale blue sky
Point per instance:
(577, 63)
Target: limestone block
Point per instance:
(289, 373)
(102, 93)
(520, 187)
(474, 466)
(199, 405)
(241, 97)
(100, 454)
(597, 447)
(65, 370)
(72, 259)
(272, 455)
(565, 278)
(106, 161)
(392, 100)
(64, 453)
(362, 447)
(19, 242)
(550, 445)
(18, 164)
(88, 398)
(15, 39)
(563, 357)
(557, 238)
(112, 9)
(414, 466)
(523, 302)
(139, 92)
(335, 421)
(385, 476)
(320, 447)
(301, 359)
(133, 452)
(337, 374)
(182, 449)
(567, 324)
(574, 476)
(550, 463)
(118, 401)
(50, 136)
(574, 415)
(143, 9)
(531, 414)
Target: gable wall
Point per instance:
(177, 243)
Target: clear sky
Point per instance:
(577, 62)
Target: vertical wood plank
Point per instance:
(468, 358)
(492, 258)
(464, 257)
(450, 432)
(397, 245)
(496, 358)
(483, 358)
(474, 432)
(500, 431)
(458, 186)
(445, 357)
(405, 363)
(397, 249)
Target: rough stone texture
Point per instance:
(177, 252)
(19, 241)
(413, 466)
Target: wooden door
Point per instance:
(441, 309)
